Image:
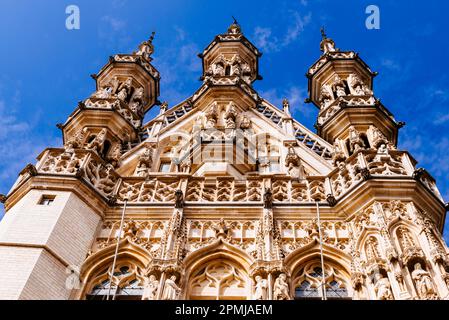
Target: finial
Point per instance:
(152, 36)
(323, 33)
(235, 27)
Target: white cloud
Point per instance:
(265, 40)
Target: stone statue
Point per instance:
(339, 87)
(355, 139)
(163, 107)
(171, 289)
(245, 123)
(286, 106)
(260, 288)
(124, 89)
(382, 288)
(211, 117)
(293, 164)
(136, 103)
(114, 84)
(150, 288)
(142, 170)
(423, 282)
(179, 199)
(281, 290)
(268, 199)
(219, 69)
(325, 97)
(221, 229)
(97, 143)
(230, 116)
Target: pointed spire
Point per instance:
(327, 44)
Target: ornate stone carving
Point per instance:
(382, 288)
(171, 289)
(281, 289)
(423, 283)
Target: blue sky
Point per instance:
(45, 68)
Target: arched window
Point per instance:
(219, 280)
(309, 282)
(126, 284)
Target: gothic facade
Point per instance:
(225, 195)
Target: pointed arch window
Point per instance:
(309, 283)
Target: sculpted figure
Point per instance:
(114, 84)
(281, 290)
(150, 288)
(293, 164)
(260, 288)
(245, 123)
(142, 170)
(221, 228)
(358, 87)
(382, 288)
(171, 289)
(136, 103)
(339, 87)
(423, 282)
(97, 143)
(286, 106)
(355, 139)
(230, 116)
(124, 89)
(325, 97)
(219, 70)
(211, 117)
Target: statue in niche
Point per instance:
(293, 164)
(245, 123)
(268, 199)
(221, 229)
(179, 199)
(325, 97)
(230, 116)
(145, 163)
(281, 290)
(97, 143)
(115, 155)
(69, 149)
(171, 289)
(357, 86)
(124, 90)
(236, 70)
(211, 117)
(338, 155)
(246, 72)
(219, 69)
(136, 103)
(286, 107)
(423, 282)
(339, 87)
(114, 84)
(150, 288)
(382, 288)
(355, 139)
(260, 288)
(142, 170)
(377, 137)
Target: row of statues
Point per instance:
(125, 92)
(339, 88)
(171, 290)
(223, 67)
(280, 288)
(422, 279)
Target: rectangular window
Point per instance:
(164, 167)
(46, 200)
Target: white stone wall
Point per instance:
(38, 243)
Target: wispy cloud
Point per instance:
(112, 32)
(265, 39)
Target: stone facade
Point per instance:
(225, 196)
